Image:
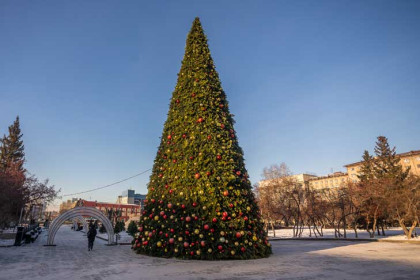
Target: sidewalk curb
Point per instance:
(346, 239)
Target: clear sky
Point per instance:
(311, 83)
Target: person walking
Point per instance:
(91, 236)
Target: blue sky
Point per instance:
(311, 83)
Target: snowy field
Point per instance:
(124, 237)
(291, 259)
(390, 234)
(7, 237)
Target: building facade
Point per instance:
(128, 211)
(410, 159)
(407, 160)
(130, 197)
(67, 205)
(329, 181)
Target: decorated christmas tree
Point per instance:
(200, 203)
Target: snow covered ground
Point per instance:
(124, 237)
(6, 242)
(7, 237)
(291, 259)
(390, 234)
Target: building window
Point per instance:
(352, 169)
(418, 165)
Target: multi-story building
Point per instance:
(410, 159)
(67, 205)
(128, 211)
(301, 179)
(130, 197)
(334, 180)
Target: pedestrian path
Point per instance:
(70, 259)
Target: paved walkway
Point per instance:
(291, 260)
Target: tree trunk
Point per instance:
(315, 228)
(373, 228)
(406, 232)
(272, 227)
(355, 229)
(345, 226)
(413, 226)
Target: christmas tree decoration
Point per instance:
(200, 203)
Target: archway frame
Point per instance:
(78, 212)
(83, 221)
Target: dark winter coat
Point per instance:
(91, 233)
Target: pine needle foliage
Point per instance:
(200, 203)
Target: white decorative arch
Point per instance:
(78, 212)
(81, 220)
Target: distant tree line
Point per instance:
(385, 194)
(20, 191)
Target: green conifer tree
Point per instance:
(387, 163)
(12, 148)
(200, 203)
(366, 170)
(132, 228)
